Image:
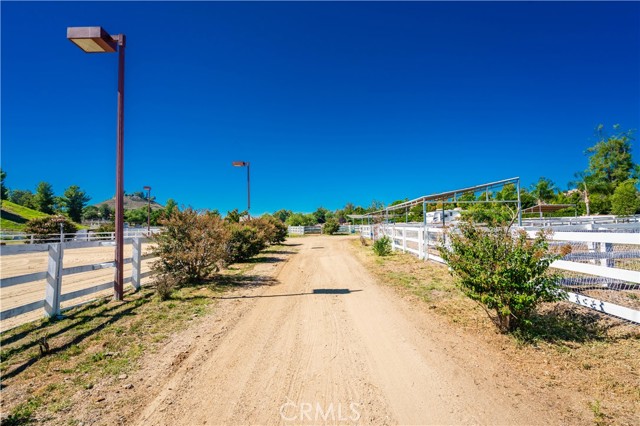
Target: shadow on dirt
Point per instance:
(316, 291)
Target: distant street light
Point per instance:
(97, 40)
(248, 166)
(148, 189)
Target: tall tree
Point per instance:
(105, 211)
(544, 190)
(74, 200)
(44, 198)
(282, 214)
(610, 161)
(4, 192)
(170, 207)
(321, 214)
(22, 197)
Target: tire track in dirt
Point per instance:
(328, 345)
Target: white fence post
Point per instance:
(606, 248)
(404, 240)
(54, 281)
(421, 243)
(136, 257)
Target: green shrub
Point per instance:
(192, 246)
(330, 227)
(245, 241)
(48, 228)
(382, 246)
(506, 273)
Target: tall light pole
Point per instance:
(248, 166)
(97, 40)
(148, 189)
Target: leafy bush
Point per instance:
(48, 228)
(274, 230)
(192, 246)
(330, 227)
(506, 273)
(625, 200)
(245, 242)
(382, 246)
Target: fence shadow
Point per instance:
(569, 324)
(118, 313)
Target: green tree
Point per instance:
(300, 219)
(44, 198)
(74, 201)
(321, 214)
(544, 190)
(625, 200)
(233, 216)
(4, 192)
(610, 161)
(136, 216)
(583, 181)
(22, 197)
(105, 211)
(91, 213)
(282, 214)
(170, 207)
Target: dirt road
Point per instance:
(327, 344)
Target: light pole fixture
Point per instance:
(148, 189)
(248, 166)
(97, 40)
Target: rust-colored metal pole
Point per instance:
(149, 212)
(118, 284)
(249, 190)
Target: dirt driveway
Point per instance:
(326, 344)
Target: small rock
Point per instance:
(100, 399)
(122, 376)
(128, 386)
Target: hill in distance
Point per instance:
(13, 216)
(131, 202)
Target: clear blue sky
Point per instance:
(330, 102)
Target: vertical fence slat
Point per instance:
(54, 280)
(136, 258)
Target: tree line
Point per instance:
(72, 203)
(608, 185)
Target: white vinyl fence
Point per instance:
(600, 263)
(52, 293)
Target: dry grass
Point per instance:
(593, 360)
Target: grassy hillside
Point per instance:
(14, 216)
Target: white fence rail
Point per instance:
(9, 237)
(597, 260)
(317, 229)
(55, 272)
